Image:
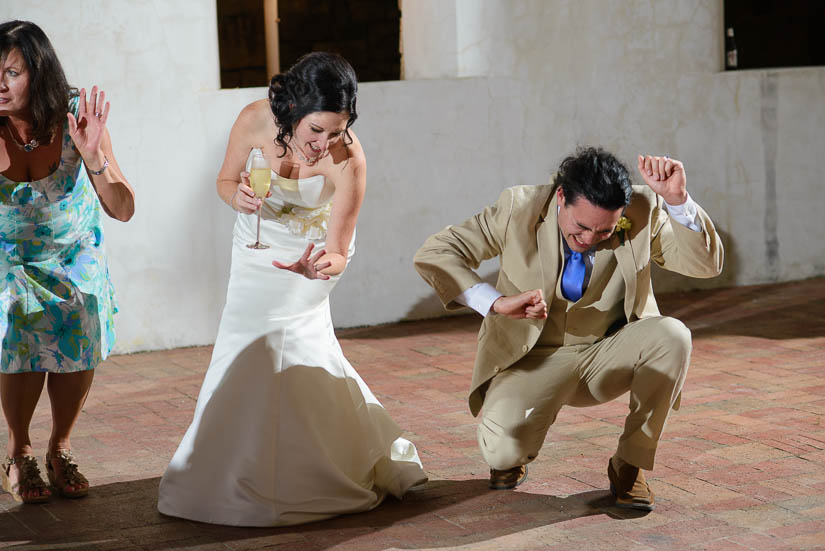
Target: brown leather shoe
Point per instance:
(507, 479)
(629, 487)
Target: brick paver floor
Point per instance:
(741, 466)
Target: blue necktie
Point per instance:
(573, 277)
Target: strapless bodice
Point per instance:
(312, 192)
(302, 205)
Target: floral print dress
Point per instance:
(56, 299)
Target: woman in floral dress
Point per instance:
(57, 170)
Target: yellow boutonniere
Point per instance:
(622, 227)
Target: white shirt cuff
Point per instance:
(480, 297)
(686, 214)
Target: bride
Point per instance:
(285, 431)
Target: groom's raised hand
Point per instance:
(665, 176)
(529, 304)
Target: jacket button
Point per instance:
(525, 348)
(496, 369)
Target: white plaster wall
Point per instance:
(635, 75)
(432, 158)
(428, 39)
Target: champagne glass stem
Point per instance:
(258, 235)
(257, 244)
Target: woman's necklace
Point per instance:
(27, 147)
(308, 160)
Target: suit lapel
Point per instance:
(602, 263)
(627, 264)
(547, 238)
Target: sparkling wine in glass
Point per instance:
(260, 176)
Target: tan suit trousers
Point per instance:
(648, 357)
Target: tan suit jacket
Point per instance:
(521, 228)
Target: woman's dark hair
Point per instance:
(596, 175)
(48, 89)
(319, 81)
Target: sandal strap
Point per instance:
(30, 478)
(19, 459)
(71, 476)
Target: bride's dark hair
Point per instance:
(319, 81)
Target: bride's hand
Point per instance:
(244, 200)
(307, 266)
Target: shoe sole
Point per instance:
(634, 506)
(516, 484)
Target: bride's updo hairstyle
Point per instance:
(319, 81)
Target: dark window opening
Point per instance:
(242, 43)
(775, 33)
(366, 32)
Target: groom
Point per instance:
(572, 319)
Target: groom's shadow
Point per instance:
(441, 513)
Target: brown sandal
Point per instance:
(71, 476)
(29, 479)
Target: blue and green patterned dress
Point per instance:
(56, 298)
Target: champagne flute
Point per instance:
(260, 177)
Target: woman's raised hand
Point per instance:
(88, 127)
(308, 266)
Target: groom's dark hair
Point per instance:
(596, 175)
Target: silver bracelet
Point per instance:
(105, 166)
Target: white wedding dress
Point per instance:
(285, 431)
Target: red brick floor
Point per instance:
(741, 466)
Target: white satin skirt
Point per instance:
(285, 431)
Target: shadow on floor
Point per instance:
(124, 516)
(773, 311)
(778, 311)
(468, 323)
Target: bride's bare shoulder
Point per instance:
(256, 118)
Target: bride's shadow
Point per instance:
(441, 513)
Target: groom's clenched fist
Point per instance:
(529, 304)
(665, 176)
